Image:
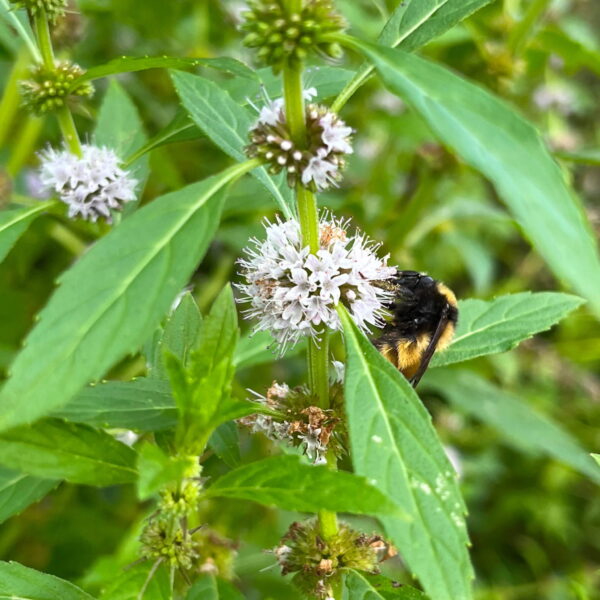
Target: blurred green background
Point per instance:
(534, 523)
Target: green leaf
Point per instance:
(360, 586)
(209, 587)
(596, 457)
(413, 24)
(142, 405)
(18, 491)
(120, 128)
(499, 325)
(21, 583)
(225, 443)
(395, 445)
(574, 54)
(112, 297)
(521, 425)
(288, 483)
(131, 64)
(181, 331)
(14, 222)
(227, 124)
(128, 584)
(77, 453)
(157, 470)
(490, 136)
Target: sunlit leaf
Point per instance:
(499, 325)
(395, 446)
(491, 136)
(227, 124)
(112, 297)
(360, 586)
(287, 482)
(58, 450)
(22, 583)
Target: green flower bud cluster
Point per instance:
(317, 562)
(164, 538)
(49, 90)
(318, 164)
(54, 8)
(182, 502)
(287, 39)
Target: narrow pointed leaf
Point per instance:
(59, 450)
(500, 325)
(520, 424)
(360, 586)
(288, 483)
(18, 491)
(15, 221)
(492, 137)
(112, 297)
(22, 583)
(394, 444)
(227, 124)
(129, 64)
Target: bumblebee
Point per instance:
(424, 315)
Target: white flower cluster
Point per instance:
(294, 293)
(91, 185)
(320, 164)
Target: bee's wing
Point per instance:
(430, 350)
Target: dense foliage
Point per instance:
(151, 445)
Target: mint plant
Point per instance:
(124, 381)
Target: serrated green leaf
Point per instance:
(288, 483)
(181, 331)
(120, 128)
(490, 136)
(59, 450)
(22, 583)
(413, 24)
(394, 444)
(157, 470)
(142, 405)
(227, 124)
(360, 586)
(225, 443)
(112, 297)
(15, 221)
(521, 425)
(18, 491)
(128, 584)
(209, 587)
(499, 325)
(130, 64)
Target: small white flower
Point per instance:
(320, 171)
(336, 134)
(293, 293)
(338, 372)
(271, 113)
(91, 186)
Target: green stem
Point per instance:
(24, 33)
(9, 105)
(523, 30)
(25, 144)
(68, 130)
(42, 33)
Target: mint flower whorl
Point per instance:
(294, 294)
(48, 90)
(287, 39)
(321, 163)
(91, 186)
(54, 8)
